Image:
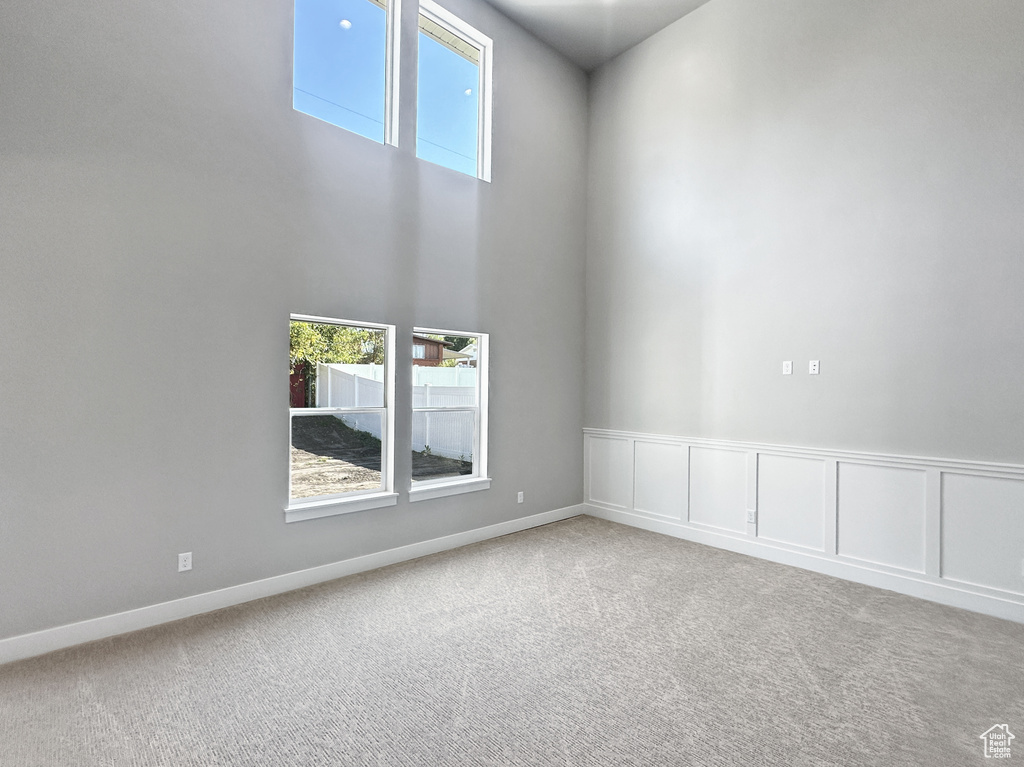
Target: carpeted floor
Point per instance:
(579, 643)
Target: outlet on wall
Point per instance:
(751, 516)
(787, 368)
(185, 561)
(813, 368)
(519, 497)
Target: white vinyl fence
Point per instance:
(448, 434)
(336, 387)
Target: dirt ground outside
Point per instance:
(328, 457)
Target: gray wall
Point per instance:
(164, 210)
(803, 180)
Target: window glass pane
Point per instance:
(446, 376)
(447, 99)
(442, 444)
(340, 55)
(444, 387)
(338, 453)
(349, 385)
(431, 350)
(336, 365)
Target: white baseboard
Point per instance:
(943, 593)
(60, 637)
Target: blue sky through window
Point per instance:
(446, 107)
(340, 52)
(340, 77)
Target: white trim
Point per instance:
(443, 488)
(336, 321)
(830, 507)
(359, 500)
(933, 523)
(314, 411)
(329, 507)
(1011, 470)
(48, 640)
(486, 97)
(485, 45)
(897, 566)
(480, 434)
(392, 67)
(390, 405)
(871, 575)
(483, 366)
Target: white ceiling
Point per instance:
(592, 31)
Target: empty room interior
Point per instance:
(669, 413)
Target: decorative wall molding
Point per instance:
(48, 640)
(947, 530)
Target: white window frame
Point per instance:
(300, 509)
(479, 40)
(423, 490)
(392, 67)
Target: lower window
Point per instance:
(449, 413)
(341, 388)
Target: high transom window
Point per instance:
(453, 93)
(345, 60)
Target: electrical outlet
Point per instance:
(813, 368)
(787, 368)
(519, 497)
(751, 516)
(185, 561)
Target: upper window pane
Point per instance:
(340, 63)
(336, 365)
(449, 98)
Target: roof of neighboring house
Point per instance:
(421, 337)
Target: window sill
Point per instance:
(297, 512)
(442, 489)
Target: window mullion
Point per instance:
(392, 72)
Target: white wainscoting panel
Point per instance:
(791, 500)
(610, 471)
(718, 488)
(983, 531)
(948, 530)
(882, 515)
(659, 484)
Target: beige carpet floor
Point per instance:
(578, 643)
